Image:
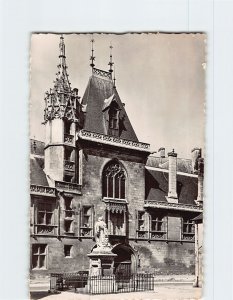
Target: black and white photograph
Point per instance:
(117, 149)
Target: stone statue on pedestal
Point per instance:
(101, 233)
(101, 261)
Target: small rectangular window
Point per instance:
(141, 225)
(158, 226)
(67, 127)
(68, 226)
(68, 178)
(188, 229)
(39, 256)
(69, 211)
(68, 153)
(67, 250)
(141, 220)
(44, 213)
(87, 221)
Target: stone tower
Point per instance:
(62, 120)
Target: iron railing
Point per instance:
(85, 284)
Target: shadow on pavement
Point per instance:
(38, 295)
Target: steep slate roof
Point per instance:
(157, 187)
(98, 90)
(183, 165)
(37, 175)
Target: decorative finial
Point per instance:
(114, 78)
(34, 144)
(92, 58)
(110, 62)
(62, 47)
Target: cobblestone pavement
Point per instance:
(164, 292)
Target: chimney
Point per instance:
(196, 154)
(161, 152)
(172, 184)
(199, 200)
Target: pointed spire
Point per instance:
(62, 46)
(61, 101)
(92, 58)
(110, 62)
(62, 81)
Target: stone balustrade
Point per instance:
(42, 190)
(112, 140)
(174, 206)
(68, 186)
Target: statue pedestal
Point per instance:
(101, 277)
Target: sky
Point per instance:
(159, 76)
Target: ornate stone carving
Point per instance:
(102, 73)
(42, 190)
(68, 139)
(178, 206)
(69, 165)
(111, 140)
(115, 207)
(45, 229)
(68, 186)
(61, 101)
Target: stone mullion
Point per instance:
(150, 228)
(58, 218)
(107, 186)
(124, 212)
(181, 230)
(36, 216)
(113, 188)
(120, 187)
(33, 216)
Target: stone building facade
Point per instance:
(92, 164)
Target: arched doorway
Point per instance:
(125, 262)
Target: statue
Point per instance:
(101, 258)
(101, 232)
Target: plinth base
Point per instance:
(101, 263)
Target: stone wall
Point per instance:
(165, 258)
(161, 257)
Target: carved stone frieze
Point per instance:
(112, 140)
(42, 190)
(175, 206)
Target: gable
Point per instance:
(99, 95)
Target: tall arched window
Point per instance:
(114, 181)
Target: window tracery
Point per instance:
(114, 181)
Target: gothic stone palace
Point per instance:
(93, 165)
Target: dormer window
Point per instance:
(111, 112)
(113, 121)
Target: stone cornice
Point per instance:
(113, 141)
(173, 206)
